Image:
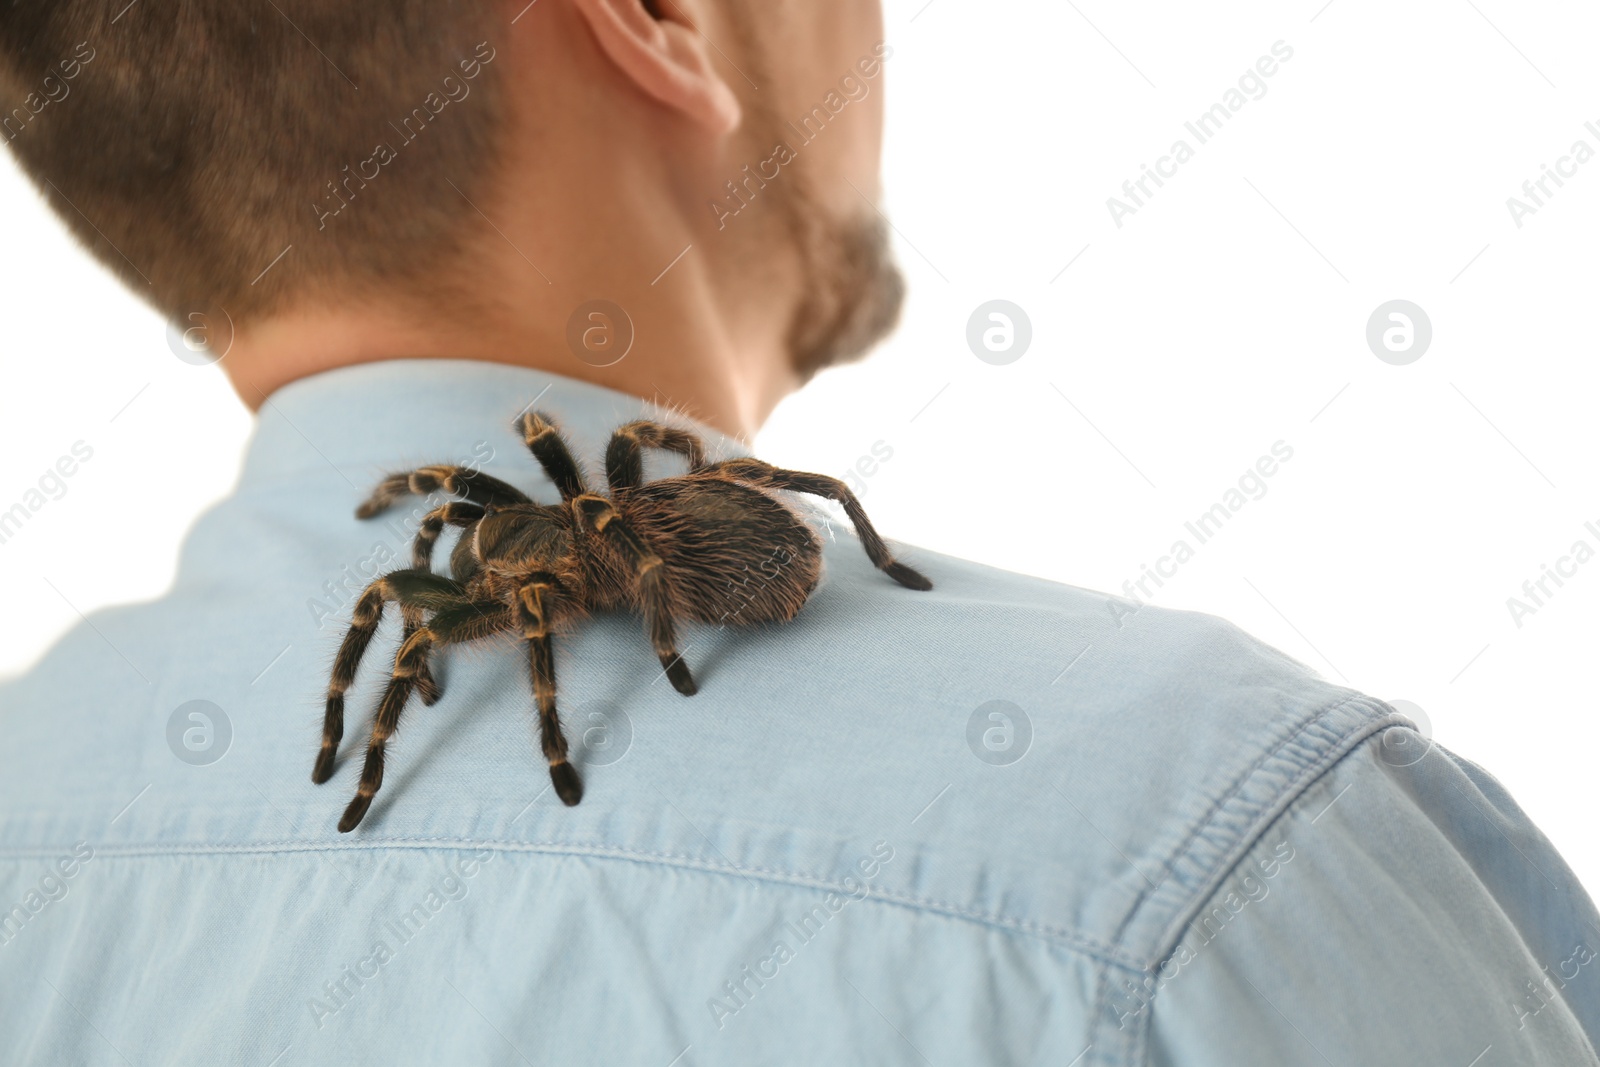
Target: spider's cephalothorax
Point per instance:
(714, 545)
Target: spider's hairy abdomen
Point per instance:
(734, 554)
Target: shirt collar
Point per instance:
(369, 419)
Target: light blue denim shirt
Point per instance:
(1003, 822)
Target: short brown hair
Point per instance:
(189, 143)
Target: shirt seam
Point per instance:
(1070, 939)
(1293, 790)
(1229, 795)
(1331, 753)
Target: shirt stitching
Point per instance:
(1069, 938)
(1204, 822)
(1329, 754)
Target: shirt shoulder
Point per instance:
(1048, 759)
(1001, 768)
(1404, 880)
(1029, 790)
(1151, 746)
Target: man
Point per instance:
(998, 821)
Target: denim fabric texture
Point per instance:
(1007, 821)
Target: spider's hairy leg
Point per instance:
(458, 481)
(455, 513)
(457, 621)
(624, 455)
(415, 588)
(534, 603)
(550, 449)
(755, 472)
(599, 516)
(412, 653)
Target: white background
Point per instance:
(1227, 314)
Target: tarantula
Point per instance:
(675, 548)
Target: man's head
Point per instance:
(488, 164)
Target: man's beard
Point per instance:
(853, 291)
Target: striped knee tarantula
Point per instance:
(675, 548)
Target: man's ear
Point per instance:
(666, 58)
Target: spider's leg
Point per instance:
(755, 472)
(455, 513)
(599, 516)
(464, 565)
(457, 621)
(411, 654)
(457, 481)
(534, 604)
(624, 463)
(550, 449)
(408, 587)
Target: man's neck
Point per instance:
(681, 354)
